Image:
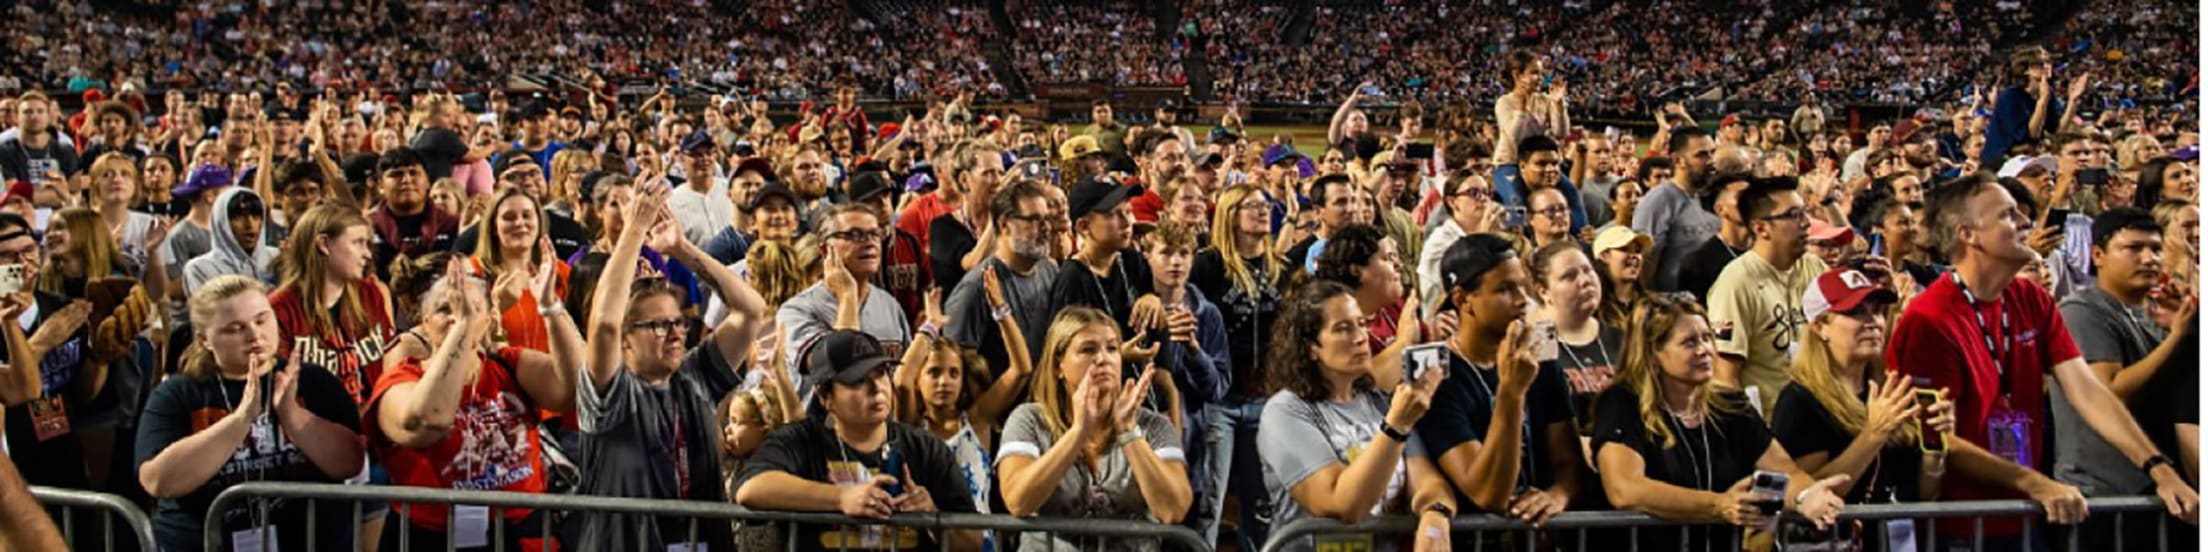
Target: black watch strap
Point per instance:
(2153, 462)
(1399, 436)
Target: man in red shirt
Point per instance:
(1988, 339)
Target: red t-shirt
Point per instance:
(492, 446)
(524, 327)
(354, 355)
(921, 213)
(1938, 338)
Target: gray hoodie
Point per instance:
(227, 257)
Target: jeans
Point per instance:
(1234, 421)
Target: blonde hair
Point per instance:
(487, 250)
(1654, 318)
(1048, 390)
(112, 161)
(1223, 232)
(2127, 151)
(776, 271)
(89, 237)
(204, 305)
(302, 265)
(567, 164)
(1817, 372)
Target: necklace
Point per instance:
(1600, 348)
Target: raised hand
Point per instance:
(1131, 395)
(838, 276)
(1412, 398)
(931, 308)
(992, 288)
(1890, 406)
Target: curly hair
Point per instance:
(1347, 252)
(1293, 368)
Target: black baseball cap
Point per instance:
(1098, 195)
(868, 185)
(772, 189)
(1472, 257)
(844, 356)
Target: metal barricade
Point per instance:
(1635, 523)
(401, 498)
(109, 507)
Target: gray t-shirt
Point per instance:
(1290, 426)
(1107, 493)
(971, 325)
(1678, 223)
(186, 241)
(2105, 331)
(636, 435)
(812, 313)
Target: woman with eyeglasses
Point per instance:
(1085, 447)
(1548, 218)
(1242, 272)
(648, 402)
(510, 248)
(1367, 464)
(1670, 444)
(457, 412)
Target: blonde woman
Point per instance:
(115, 185)
(1085, 447)
(238, 412)
(568, 169)
(1671, 443)
(1242, 272)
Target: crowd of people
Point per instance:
(1429, 315)
(1115, 43)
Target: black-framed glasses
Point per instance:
(1038, 220)
(856, 235)
(662, 328)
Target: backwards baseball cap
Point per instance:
(1078, 147)
(1843, 290)
(1224, 135)
(2017, 165)
(1472, 257)
(1098, 195)
(744, 148)
(844, 356)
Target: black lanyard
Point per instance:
(1993, 345)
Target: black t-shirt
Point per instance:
(1588, 368)
(441, 148)
(1464, 406)
(1710, 457)
(1114, 293)
(19, 161)
(183, 406)
(1804, 427)
(1702, 266)
(1301, 252)
(60, 455)
(1248, 317)
(810, 450)
(2171, 396)
(567, 236)
(948, 242)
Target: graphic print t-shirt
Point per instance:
(183, 406)
(492, 446)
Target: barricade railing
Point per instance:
(401, 499)
(1580, 523)
(108, 506)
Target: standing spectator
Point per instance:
(2021, 112)
(1193, 351)
(1525, 111)
(1370, 463)
(1756, 301)
(237, 412)
(439, 144)
(1501, 430)
(405, 222)
(1670, 444)
(1950, 336)
(848, 455)
(1734, 237)
(845, 298)
(2125, 350)
(1570, 292)
(646, 408)
(1107, 273)
(700, 199)
(38, 153)
(1540, 166)
(936, 393)
(1110, 134)
(1085, 446)
(1671, 215)
(1023, 271)
(972, 173)
(537, 140)
(1242, 272)
(1472, 209)
(513, 242)
(238, 237)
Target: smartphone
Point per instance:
(1514, 218)
(1928, 441)
(1770, 490)
(1544, 341)
(2058, 219)
(11, 279)
(893, 465)
(2092, 177)
(1419, 358)
(1419, 151)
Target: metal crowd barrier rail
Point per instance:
(109, 507)
(1580, 522)
(401, 497)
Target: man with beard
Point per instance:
(1164, 158)
(36, 154)
(1168, 118)
(1022, 262)
(1670, 213)
(536, 141)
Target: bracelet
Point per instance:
(556, 308)
(2158, 460)
(1801, 497)
(1398, 435)
(1000, 313)
(1128, 437)
(1442, 509)
(929, 329)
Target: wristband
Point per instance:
(1000, 313)
(1801, 497)
(2153, 462)
(1399, 436)
(1442, 509)
(1128, 437)
(554, 309)
(929, 329)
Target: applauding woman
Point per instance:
(515, 243)
(237, 412)
(1085, 447)
(1670, 444)
(1369, 464)
(464, 416)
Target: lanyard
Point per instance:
(1525, 422)
(1993, 347)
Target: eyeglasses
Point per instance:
(858, 235)
(1038, 220)
(27, 255)
(1553, 212)
(662, 328)
(1796, 215)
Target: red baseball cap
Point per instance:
(1842, 290)
(17, 189)
(1836, 234)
